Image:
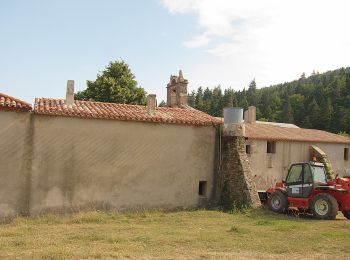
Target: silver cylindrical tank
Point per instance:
(233, 115)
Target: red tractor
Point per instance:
(307, 188)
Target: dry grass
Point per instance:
(182, 235)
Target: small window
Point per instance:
(202, 188)
(346, 154)
(271, 147)
(248, 149)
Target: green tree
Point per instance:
(229, 98)
(199, 99)
(116, 84)
(265, 104)
(243, 101)
(192, 99)
(217, 102)
(252, 93)
(162, 104)
(306, 123)
(274, 111)
(314, 113)
(287, 113)
(207, 100)
(344, 120)
(326, 115)
(297, 104)
(321, 101)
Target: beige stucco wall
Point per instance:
(271, 168)
(14, 155)
(79, 163)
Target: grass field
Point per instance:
(167, 235)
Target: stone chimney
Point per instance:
(237, 187)
(70, 93)
(151, 104)
(177, 91)
(250, 115)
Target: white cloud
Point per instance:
(197, 41)
(275, 40)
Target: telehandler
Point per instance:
(307, 188)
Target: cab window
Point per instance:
(307, 174)
(295, 174)
(319, 174)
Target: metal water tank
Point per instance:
(233, 115)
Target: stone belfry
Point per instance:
(177, 91)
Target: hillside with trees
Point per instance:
(321, 101)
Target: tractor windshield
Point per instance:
(319, 174)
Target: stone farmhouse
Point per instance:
(67, 155)
(70, 155)
(272, 147)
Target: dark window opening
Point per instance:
(248, 149)
(202, 188)
(271, 147)
(346, 154)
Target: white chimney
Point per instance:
(151, 104)
(246, 115)
(250, 115)
(70, 93)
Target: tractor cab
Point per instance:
(302, 178)
(307, 189)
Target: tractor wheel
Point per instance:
(346, 214)
(278, 202)
(324, 206)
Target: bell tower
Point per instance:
(177, 91)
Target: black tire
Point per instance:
(346, 214)
(324, 206)
(278, 202)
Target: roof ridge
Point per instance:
(89, 101)
(137, 105)
(116, 111)
(295, 128)
(15, 99)
(274, 132)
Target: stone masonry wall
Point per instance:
(238, 185)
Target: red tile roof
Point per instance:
(278, 133)
(13, 104)
(99, 110)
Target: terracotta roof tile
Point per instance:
(99, 110)
(13, 104)
(273, 132)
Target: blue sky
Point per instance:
(45, 43)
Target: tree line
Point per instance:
(321, 101)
